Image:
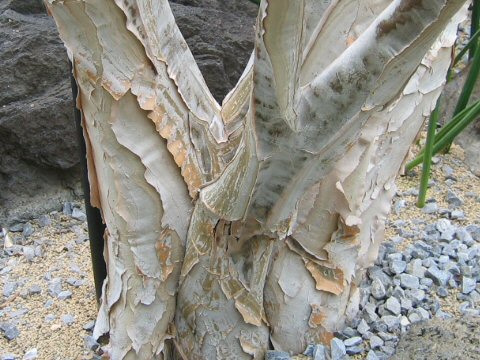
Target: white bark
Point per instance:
(233, 226)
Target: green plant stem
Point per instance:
(469, 84)
(460, 122)
(444, 130)
(475, 20)
(427, 159)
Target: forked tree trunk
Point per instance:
(235, 228)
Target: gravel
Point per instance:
(35, 274)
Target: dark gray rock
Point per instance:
(393, 305)
(9, 288)
(338, 350)
(8, 357)
(353, 341)
(363, 327)
(64, 295)
(468, 285)
(474, 231)
(442, 292)
(376, 342)
(354, 350)
(320, 352)
(75, 282)
(44, 220)
(430, 208)
(68, 319)
(453, 199)
(277, 355)
(35, 290)
(392, 322)
(89, 325)
(79, 215)
(439, 277)
(378, 290)
(50, 318)
(29, 253)
(31, 354)
(55, 287)
(408, 281)
(27, 229)
(67, 208)
(398, 266)
(221, 59)
(90, 343)
(9, 331)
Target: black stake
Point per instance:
(96, 227)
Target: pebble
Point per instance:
(8, 357)
(453, 199)
(438, 276)
(44, 220)
(50, 318)
(376, 342)
(372, 356)
(353, 341)
(27, 230)
(92, 344)
(408, 281)
(430, 208)
(67, 208)
(277, 355)
(468, 285)
(31, 354)
(29, 253)
(9, 331)
(9, 288)
(16, 228)
(391, 321)
(393, 305)
(66, 294)
(68, 319)
(75, 282)
(78, 215)
(398, 266)
(91, 324)
(378, 290)
(442, 292)
(338, 350)
(363, 327)
(55, 287)
(320, 352)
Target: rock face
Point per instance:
(38, 144)
(221, 59)
(38, 148)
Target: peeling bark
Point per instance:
(233, 227)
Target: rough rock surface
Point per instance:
(38, 148)
(221, 59)
(38, 144)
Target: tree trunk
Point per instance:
(237, 228)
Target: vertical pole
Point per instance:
(96, 227)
